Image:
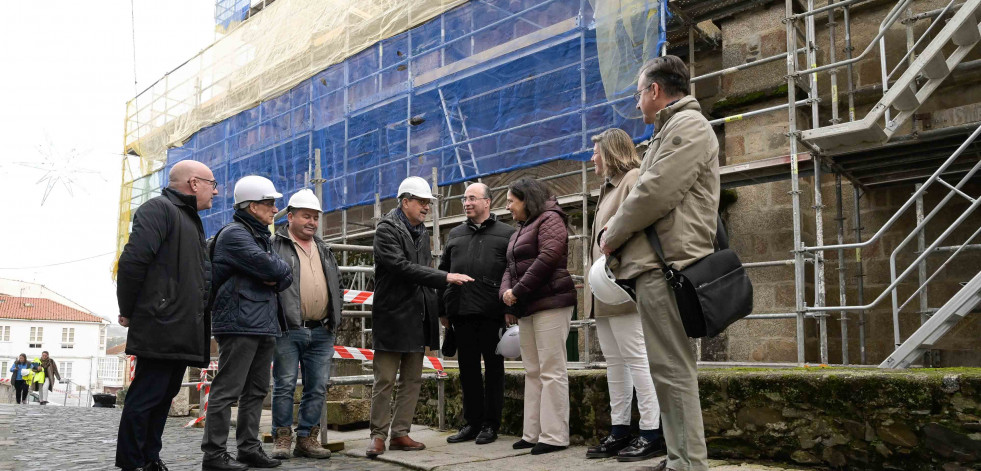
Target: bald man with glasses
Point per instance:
(162, 288)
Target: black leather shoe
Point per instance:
(487, 435)
(542, 448)
(608, 447)
(466, 434)
(642, 449)
(222, 462)
(522, 445)
(157, 465)
(258, 459)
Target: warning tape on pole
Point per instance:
(359, 297)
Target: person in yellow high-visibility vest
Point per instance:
(37, 380)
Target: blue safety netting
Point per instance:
(230, 11)
(487, 87)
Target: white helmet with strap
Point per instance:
(415, 186)
(604, 285)
(305, 199)
(255, 188)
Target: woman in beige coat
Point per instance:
(618, 327)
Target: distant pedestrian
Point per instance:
(18, 370)
(247, 319)
(162, 288)
(51, 374)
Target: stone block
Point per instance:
(349, 412)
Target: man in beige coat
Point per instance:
(678, 193)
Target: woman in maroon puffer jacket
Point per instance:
(538, 288)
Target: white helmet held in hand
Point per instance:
(305, 199)
(604, 286)
(415, 186)
(255, 188)
(510, 344)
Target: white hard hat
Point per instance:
(415, 186)
(604, 286)
(510, 344)
(305, 199)
(255, 188)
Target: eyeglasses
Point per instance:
(214, 183)
(271, 203)
(471, 199)
(640, 92)
(422, 201)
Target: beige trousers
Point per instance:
(543, 336)
(408, 367)
(674, 372)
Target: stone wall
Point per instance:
(760, 222)
(847, 419)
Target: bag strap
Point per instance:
(721, 240)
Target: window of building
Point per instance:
(3, 367)
(102, 338)
(66, 370)
(37, 333)
(111, 369)
(4, 333)
(68, 337)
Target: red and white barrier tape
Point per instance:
(359, 297)
(349, 353)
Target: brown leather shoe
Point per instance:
(375, 448)
(405, 444)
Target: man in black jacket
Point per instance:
(162, 287)
(246, 320)
(403, 316)
(475, 313)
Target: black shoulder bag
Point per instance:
(711, 293)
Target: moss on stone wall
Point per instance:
(844, 418)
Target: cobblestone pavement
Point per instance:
(54, 438)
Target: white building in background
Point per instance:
(74, 338)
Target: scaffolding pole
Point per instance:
(798, 249)
(842, 295)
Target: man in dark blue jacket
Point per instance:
(162, 288)
(246, 319)
(477, 248)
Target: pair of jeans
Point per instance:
(483, 395)
(307, 351)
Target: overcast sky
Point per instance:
(67, 74)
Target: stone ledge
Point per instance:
(849, 418)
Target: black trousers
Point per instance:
(145, 411)
(483, 396)
(20, 390)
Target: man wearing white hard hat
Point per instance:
(404, 316)
(246, 320)
(312, 305)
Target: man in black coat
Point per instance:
(403, 316)
(477, 248)
(162, 287)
